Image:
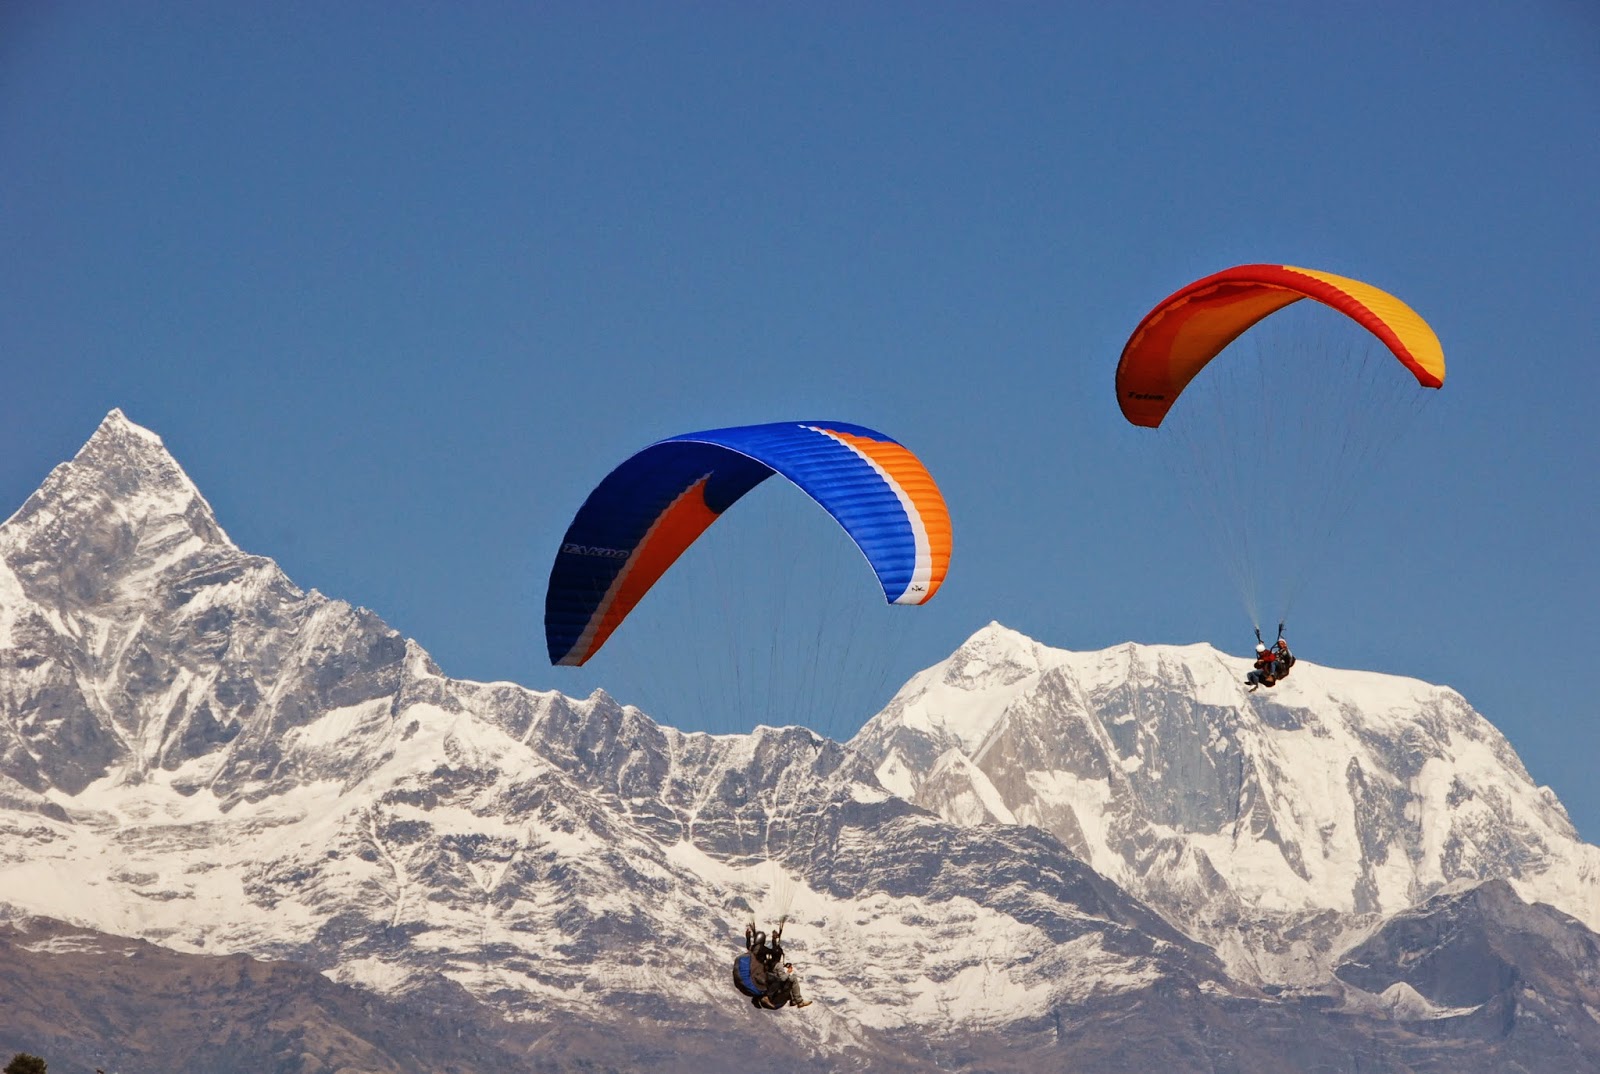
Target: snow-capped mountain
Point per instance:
(1276, 826)
(197, 752)
(1024, 857)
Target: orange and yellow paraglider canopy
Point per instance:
(1177, 338)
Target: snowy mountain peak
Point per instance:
(147, 639)
(993, 651)
(1344, 791)
(995, 657)
(116, 423)
(122, 485)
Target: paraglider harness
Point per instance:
(752, 970)
(1274, 662)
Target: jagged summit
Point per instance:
(123, 478)
(152, 640)
(116, 423)
(961, 700)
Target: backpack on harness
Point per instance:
(749, 977)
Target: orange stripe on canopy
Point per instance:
(684, 520)
(1177, 338)
(925, 510)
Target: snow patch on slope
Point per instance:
(11, 603)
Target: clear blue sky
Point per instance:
(398, 283)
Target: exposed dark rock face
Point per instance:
(1527, 978)
(84, 1000)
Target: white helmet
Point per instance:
(1260, 648)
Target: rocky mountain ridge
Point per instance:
(195, 752)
